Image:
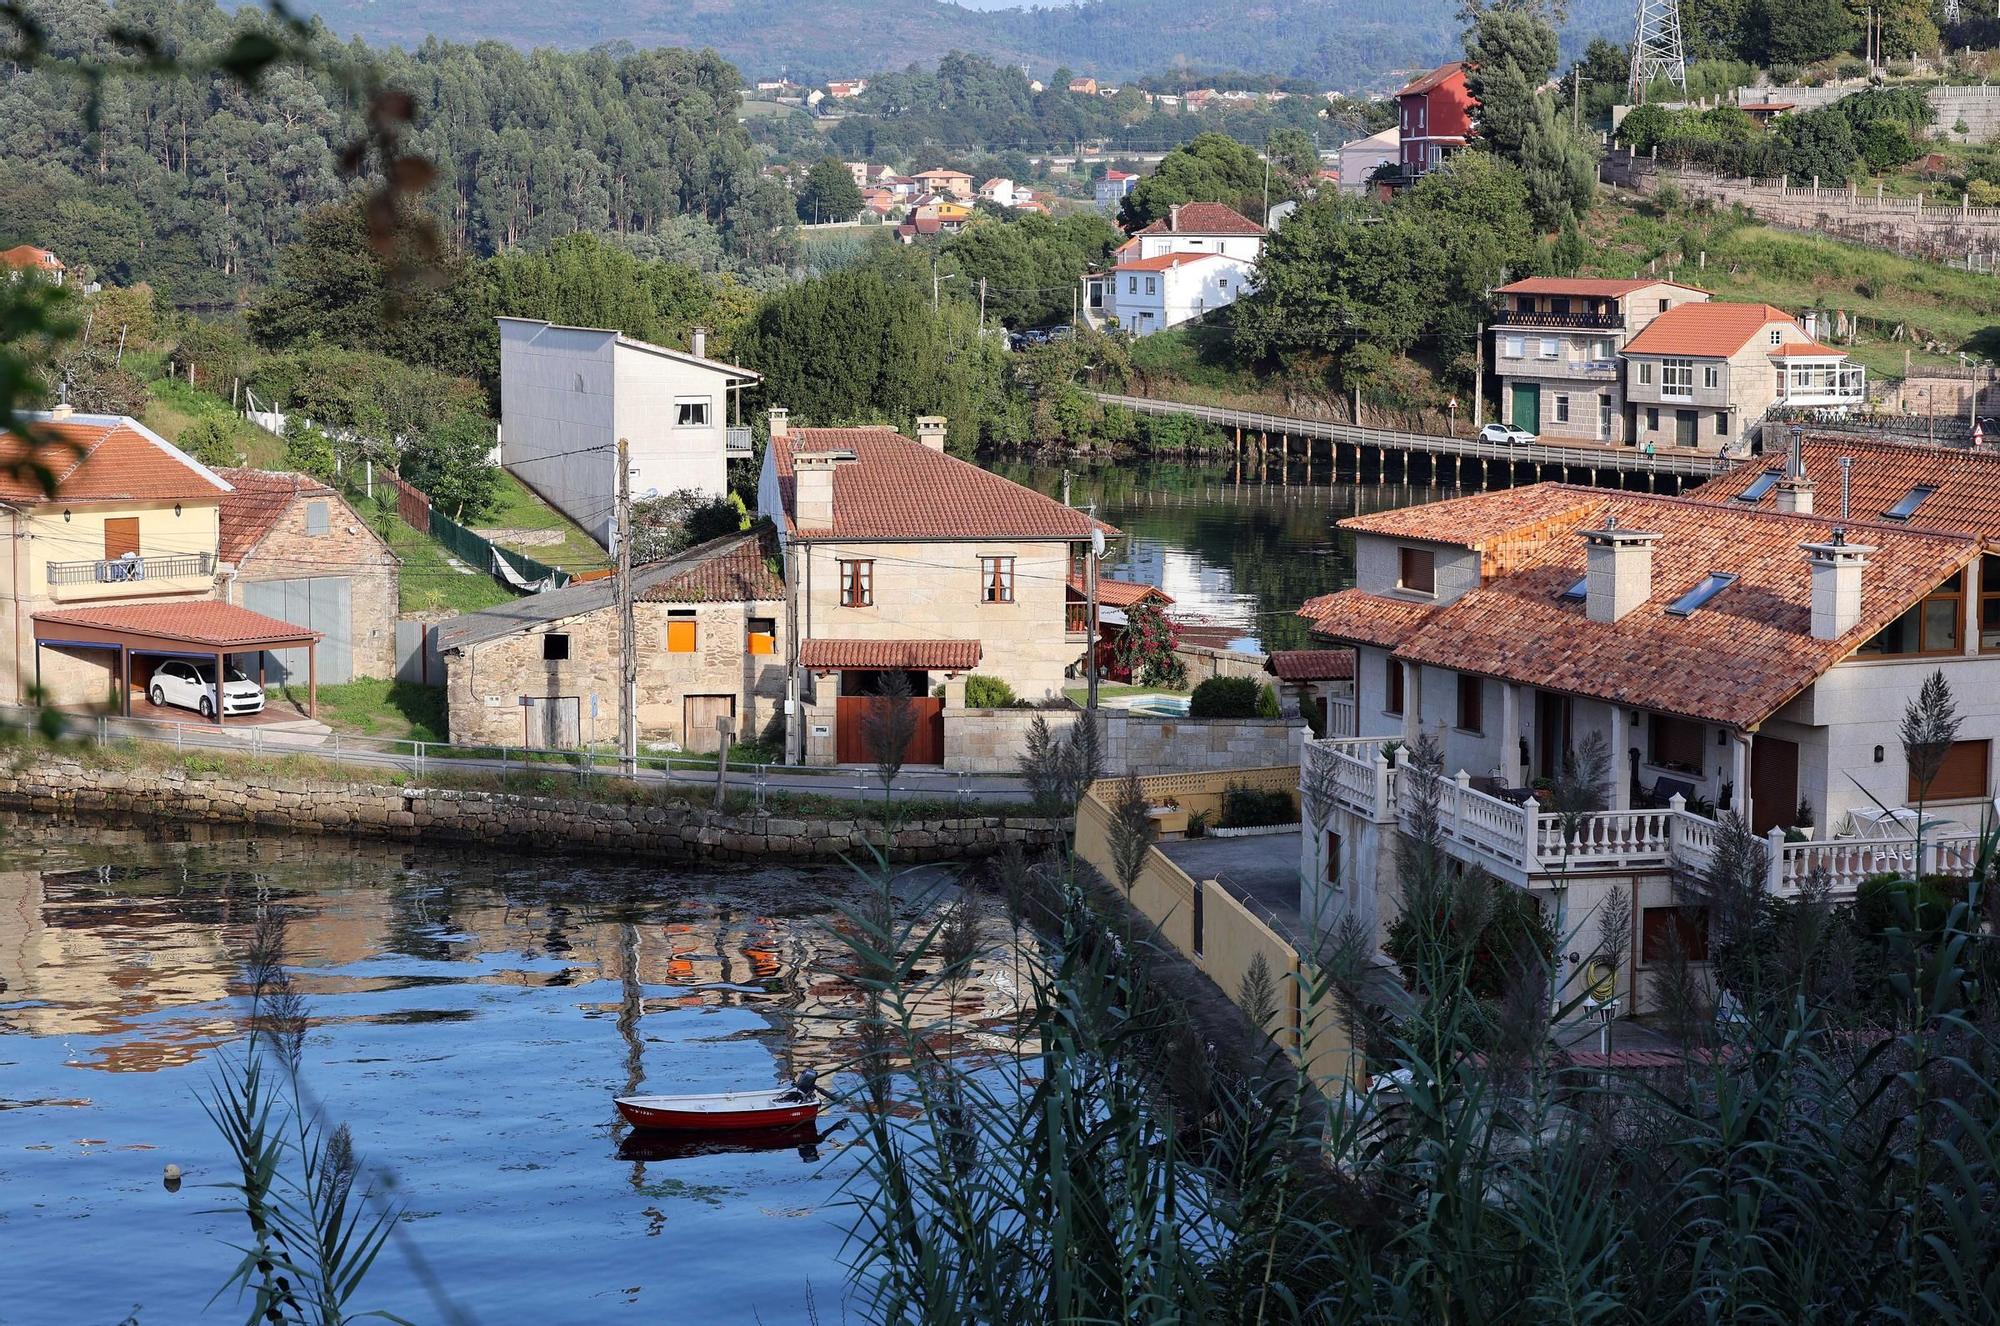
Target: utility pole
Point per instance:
(1479, 381)
(982, 308)
(1576, 98)
(934, 281)
(628, 649)
(795, 731)
(1090, 583)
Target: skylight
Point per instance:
(1707, 588)
(1578, 590)
(1913, 499)
(1761, 485)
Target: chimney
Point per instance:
(698, 342)
(61, 412)
(1836, 584)
(1618, 570)
(1795, 491)
(778, 415)
(931, 429)
(1174, 216)
(812, 489)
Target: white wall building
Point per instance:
(567, 394)
(1152, 294)
(1110, 190)
(1364, 156)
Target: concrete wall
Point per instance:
(349, 548)
(992, 740)
(1202, 663)
(1378, 566)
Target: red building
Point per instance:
(1434, 115)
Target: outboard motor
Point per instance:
(806, 1084)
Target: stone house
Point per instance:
(293, 549)
(1555, 348)
(543, 671)
(1702, 375)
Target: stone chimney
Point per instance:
(61, 412)
(1836, 584)
(778, 415)
(1618, 570)
(1795, 491)
(698, 342)
(931, 430)
(812, 489)
(1174, 216)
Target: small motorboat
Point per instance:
(726, 1110)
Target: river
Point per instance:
(1238, 556)
(470, 1019)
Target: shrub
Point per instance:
(984, 692)
(1891, 901)
(1224, 697)
(209, 441)
(1249, 807)
(1267, 701)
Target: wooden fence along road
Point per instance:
(1672, 468)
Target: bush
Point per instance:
(1267, 701)
(209, 441)
(1224, 697)
(984, 692)
(1893, 902)
(1249, 807)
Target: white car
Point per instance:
(1506, 435)
(192, 686)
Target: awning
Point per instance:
(1118, 593)
(869, 655)
(192, 626)
(1311, 664)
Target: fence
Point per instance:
(517, 570)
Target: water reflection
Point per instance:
(471, 1020)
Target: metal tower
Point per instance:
(1656, 48)
(1950, 12)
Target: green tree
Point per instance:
(210, 441)
(309, 450)
(829, 193)
(1559, 165)
(1817, 143)
(588, 281)
(1214, 168)
(1510, 53)
(1801, 31)
(1293, 159)
(1031, 264)
(452, 465)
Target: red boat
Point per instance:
(775, 1108)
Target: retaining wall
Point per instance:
(991, 740)
(1203, 662)
(60, 786)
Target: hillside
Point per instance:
(1349, 45)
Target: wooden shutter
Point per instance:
(121, 536)
(1962, 776)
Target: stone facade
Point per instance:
(673, 830)
(990, 741)
(349, 548)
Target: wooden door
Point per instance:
(1774, 782)
(699, 716)
(851, 732)
(1686, 427)
(1551, 733)
(121, 537)
(553, 722)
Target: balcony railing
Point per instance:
(736, 441)
(1578, 321)
(130, 570)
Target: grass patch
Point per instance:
(519, 508)
(1081, 694)
(395, 710)
(174, 405)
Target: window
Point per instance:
(555, 647)
(857, 584)
(996, 580)
(1677, 377)
(1562, 409)
(1663, 931)
(1989, 602)
(683, 636)
(1578, 591)
(1471, 703)
(1418, 571)
(1663, 306)
(691, 412)
(1677, 743)
(761, 635)
(1711, 376)
(1332, 857)
(1913, 499)
(1704, 589)
(1777, 336)
(1516, 347)
(1645, 372)
(1929, 628)
(1392, 686)
(1152, 285)
(1131, 285)
(1961, 777)
(1722, 423)
(1653, 418)
(1551, 347)
(316, 519)
(1603, 349)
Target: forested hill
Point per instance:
(194, 185)
(1343, 44)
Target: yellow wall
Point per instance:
(80, 538)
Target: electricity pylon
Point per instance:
(1656, 48)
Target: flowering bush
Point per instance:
(1145, 648)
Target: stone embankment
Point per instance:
(56, 785)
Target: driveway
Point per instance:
(1262, 872)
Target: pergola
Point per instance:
(206, 630)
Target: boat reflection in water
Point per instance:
(648, 1145)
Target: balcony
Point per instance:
(117, 576)
(736, 442)
(1577, 321)
(1840, 385)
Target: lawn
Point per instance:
(396, 710)
(173, 405)
(1113, 690)
(521, 509)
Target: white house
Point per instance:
(567, 394)
(1199, 228)
(1364, 156)
(1112, 187)
(1147, 295)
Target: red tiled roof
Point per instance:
(930, 655)
(1355, 617)
(23, 257)
(1425, 82)
(1164, 262)
(1587, 287)
(1710, 329)
(1735, 661)
(1202, 219)
(738, 571)
(1810, 349)
(1505, 527)
(1118, 593)
(1311, 664)
(1967, 500)
(260, 500)
(898, 489)
(98, 458)
(190, 621)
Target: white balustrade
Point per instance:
(1845, 863)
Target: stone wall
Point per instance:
(1203, 663)
(990, 741)
(349, 548)
(56, 785)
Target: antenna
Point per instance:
(1656, 48)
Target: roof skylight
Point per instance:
(1577, 591)
(1913, 499)
(1761, 485)
(1705, 589)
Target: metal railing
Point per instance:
(128, 570)
(736, 441)
(1572, 321)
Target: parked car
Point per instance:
(1507, 435)
(192, 686)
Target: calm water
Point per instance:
(470, 1020)
(1240, 556)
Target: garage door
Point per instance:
(323, 603)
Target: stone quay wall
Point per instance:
(56, 785)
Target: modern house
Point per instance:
(568, 394)
(1146, 295)
(1556, 342)
(24, 258)
(1361, 158)
(904, 559)
(1724, 654)
(1111, 188)
(543, 671)
(1433, 119)
(843, 89)
(293, 549)
(1704, 375)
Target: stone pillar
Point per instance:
(1621, 740)
(1413, 702)
(1739, 772)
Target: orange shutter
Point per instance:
(681, 636)
(121, 537)
(763, 642)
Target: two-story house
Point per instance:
(1704, 375)
(1433, 118)
(1110, 189)
(1154, 283)
(26, 258)
(1556, 342)
(904, 559)
(955, 183)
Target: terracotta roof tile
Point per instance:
(1735, 661)
(190, 621)
(1202, 219)
(1311, 664)
(1589, 287)
(895, 488)
(1161, 262)
(1119, 593)
(1810, 349)
(1355, 617)
(930, 655)
(737, 571)
(258, 502)
(103, 458)
(1506, 527)
(1967, 500)
(1709, 329)
(26, 257)
(1425, 82)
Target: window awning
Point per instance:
(868, 655)
(195, 626)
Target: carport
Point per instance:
(205, 630)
